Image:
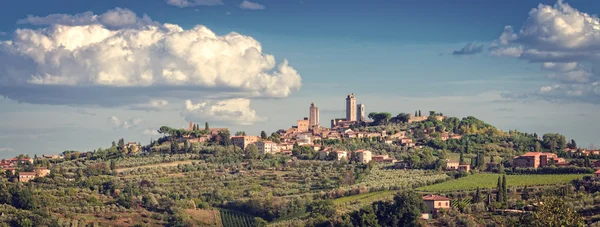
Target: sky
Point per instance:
(77, 75)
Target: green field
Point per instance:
(359, 197)
(490, 181)
(236, 219)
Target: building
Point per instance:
(434, 204)
(243, 141)
(360, 112)
(350, 108)
(537, 159)
(313, 117)
(303, 125)
(363, 156)
(452, 165)
(465, 168)
(42, 172)
(323, 154)
(303, 139)
(384, 159)
(267, 147)
(342, 155)
(26, 176)
(402, 165)
(597, 174)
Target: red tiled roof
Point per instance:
(597, 171)
(528, 154)
(27, 173)
(360, 151)
(435, 198)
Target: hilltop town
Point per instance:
(357, 170)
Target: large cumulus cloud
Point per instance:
(566, 42)
(120, 59)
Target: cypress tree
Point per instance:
(416, 114)
(477, 198)
(499, 190)
(420, 113)
(525, 194)
(504, 190)
(462, 159)
(206, 126)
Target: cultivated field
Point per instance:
(490, 181)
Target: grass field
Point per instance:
(355, 202)
(205, 217)
(490, 181)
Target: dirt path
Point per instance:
(120, 170)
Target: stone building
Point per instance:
(313, 117)
(350, 108)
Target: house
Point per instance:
(304, 139)
(465, 168)
(26, 176)
(597, 174)
(342, 155)
(215, 131)
(528, 160)
(444, 136)
(363, 156)
(398, 135)
(132, 146)
(42, 172)
(434, 204)
(22, 160)
(383, 158)
(243, 141)
(388, 141)
(267, 147)
(537, 159)
(452, 165)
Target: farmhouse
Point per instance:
(537, 159)
(451, 165)
(434, 204)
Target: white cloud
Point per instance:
(114, 19)
(152, 105)
(6, 149)
(566, 42)
(120, 124)
(107, 58)
(251, 5)
(190, 3)
(150, 132)
(232, 111)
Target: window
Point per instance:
(446, 203)
(439, 203)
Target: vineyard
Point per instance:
(236, 219)
(490, 180)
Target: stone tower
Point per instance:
(313, 115)
(350, 108)
(360, 112)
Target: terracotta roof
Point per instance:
(435, 198)
(27, 173)
(360, 151)
(341, 152)
(597, 171)
(528, 154)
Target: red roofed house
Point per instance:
(597, 174)
(243, 141)
(434, 204)
(26, 176)
(537, 159)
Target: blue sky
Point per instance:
(396, 56)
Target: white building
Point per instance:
(364, 156)
(267, 147)
(342, 155)
(304, 139)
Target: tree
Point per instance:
(121, 143)
(225, 138)
(504, 190)
(400, 118)
(174, 147)
(206, 126)
(477, 197)
(499, 193)
(525, 194)
(416, 114)
(420, 113)
(431, 113)
(461, 160)
(114, 144)
(380, 118)
(573, 144)
(553, 212)
(113, 165)
(263, 135)
(240, 133)
(252, 151)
